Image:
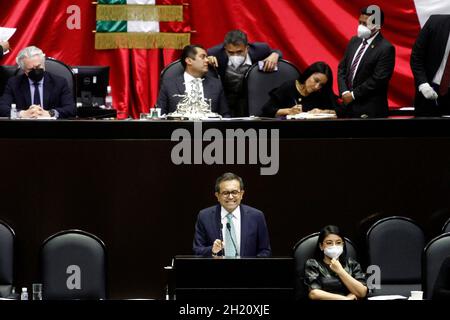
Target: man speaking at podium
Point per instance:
(231, 228)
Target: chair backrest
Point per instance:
(304, 250)
(175, 69)
(7, 236)
(6, 72)
(434, 254)
(73, 266)
(395, 244)
(61, 69)
(259, 84)
(446, 227)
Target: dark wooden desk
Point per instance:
(116, 180)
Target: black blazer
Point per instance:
(257, 51)
(212, 89)
(426, 57)
(370, 85)
(57, 95)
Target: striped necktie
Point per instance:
(355, 64)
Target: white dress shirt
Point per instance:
(188, 79)
(236, 218)
(440, 72)
(369, 42)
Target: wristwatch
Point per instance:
(52, 112)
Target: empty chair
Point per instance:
(395, 245)
(7, 236)
(259, 84)
(6, 72)
(446, 227)
(304, 250)
(73, 266)
(434, 254)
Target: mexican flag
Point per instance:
(426, 8)
(136, 24)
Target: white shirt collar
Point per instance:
(189, 78)
(236, 213)
(370, 40)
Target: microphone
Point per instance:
(232, 240)
(221, 239)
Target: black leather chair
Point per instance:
(304, 250)
(434, 254)
(175, 69)
(446, 227)
(7, 237)
(73, 266)
(259, 84)
(6, 72)
(395, 244)
(61, 69)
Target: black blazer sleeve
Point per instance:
(1, 51)
(163, 99)
(418, 53)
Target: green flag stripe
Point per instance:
(112, 1)
(111, 26)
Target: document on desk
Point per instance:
(388, 297)
(6, 34)
(308, 115)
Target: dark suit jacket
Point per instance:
(57, 95)
(212, 89)
(1, 51)
(370, 85)
(254, 233)
(426, 57)
(257, 51)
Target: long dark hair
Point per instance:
(318, 67)
(325, 232)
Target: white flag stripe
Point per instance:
(143, 26)
(141, 1)
(426, 8)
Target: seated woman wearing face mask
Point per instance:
(331, 275)
(311, 92)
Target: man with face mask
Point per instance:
(37, 93)
(366, 68)
(232, 59)
(4, 46)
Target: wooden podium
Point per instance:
(233, 278)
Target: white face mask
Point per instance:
(236, 61)
(333, 252)
(364, 32)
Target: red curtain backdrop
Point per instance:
(306, 31)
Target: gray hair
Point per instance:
(29, 52)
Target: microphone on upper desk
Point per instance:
(232, 240)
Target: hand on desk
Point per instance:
(217, 246)
(33, 112)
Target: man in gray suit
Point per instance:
(195, 62)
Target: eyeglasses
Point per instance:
(226, 194)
